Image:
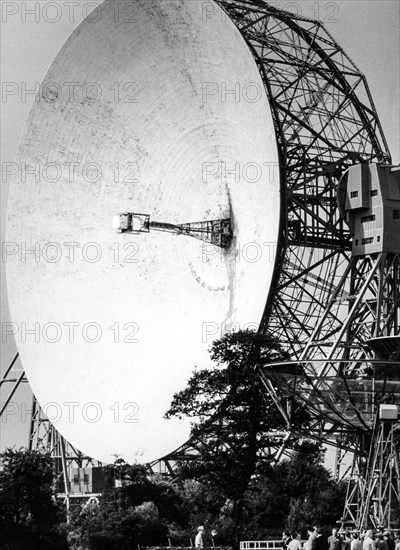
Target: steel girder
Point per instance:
(14, 376)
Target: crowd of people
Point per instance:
(316, 540)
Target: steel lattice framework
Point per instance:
(323, 302)
(325, 120)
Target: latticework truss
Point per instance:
(44, 437)
(325, 120)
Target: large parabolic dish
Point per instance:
(157, 110)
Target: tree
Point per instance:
(231, 414)
(294, 493)
(137, 487)
(134, 510)
(27, 503)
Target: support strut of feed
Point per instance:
(216, 232)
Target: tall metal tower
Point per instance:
(350, 382)
(333, 297)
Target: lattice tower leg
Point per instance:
(355, 490)
(373, 493)
(44, 437)
(380, 506)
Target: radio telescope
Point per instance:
(319, 121)
(114, 321)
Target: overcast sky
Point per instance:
(368, 31)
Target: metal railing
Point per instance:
(261, 545)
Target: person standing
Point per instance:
(321, 542)
(198, 542)
(286, 538)
(347, 541)
(368, 542)
(335, 541)
(312, 537)
(389, 540)
(295, 543)
(381, 543)
(215, 538)
(356, 543)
